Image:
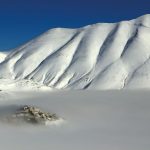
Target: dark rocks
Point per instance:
(33, 115)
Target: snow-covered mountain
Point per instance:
(2, 56)
(99, 56)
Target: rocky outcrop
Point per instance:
(33, 115)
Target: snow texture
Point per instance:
(101, 56)
(2, 56)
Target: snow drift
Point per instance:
(99, 56)
(2, 56)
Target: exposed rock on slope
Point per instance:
(100, 56)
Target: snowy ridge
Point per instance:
(100, 56)
(2, 56)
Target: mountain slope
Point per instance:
(100, 56)
(2, 56)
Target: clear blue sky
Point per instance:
(22, 20)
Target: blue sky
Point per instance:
(22, 20)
